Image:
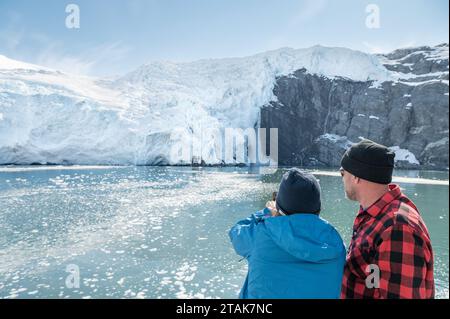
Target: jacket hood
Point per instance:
(306, 237)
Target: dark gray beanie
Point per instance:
(299, 192)
(370, 161)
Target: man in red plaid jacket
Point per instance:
(390, 254)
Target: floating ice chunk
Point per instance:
(140, 295)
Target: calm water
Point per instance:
(156, 232)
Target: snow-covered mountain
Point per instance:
(408, 112)
(47, 116)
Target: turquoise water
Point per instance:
(157, 232)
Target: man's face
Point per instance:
(349, 185)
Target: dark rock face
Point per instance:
(318, 117)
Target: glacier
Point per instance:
(51, 117)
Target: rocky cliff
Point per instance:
(319, 117)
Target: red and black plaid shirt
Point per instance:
(392, 236)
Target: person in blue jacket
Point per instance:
(292, 253)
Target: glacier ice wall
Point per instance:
(47, 116)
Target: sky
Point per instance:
(116, 36)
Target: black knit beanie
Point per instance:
(299, 192)
(370, 161)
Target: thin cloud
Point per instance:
(12, 35)
(307, 11)
(137, 7)
(11, 39)
(53, 54)
(89, 62)
(385, 48)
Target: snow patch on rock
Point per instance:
(404, 155)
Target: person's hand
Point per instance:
(272, 207)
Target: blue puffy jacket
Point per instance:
(296, 256)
